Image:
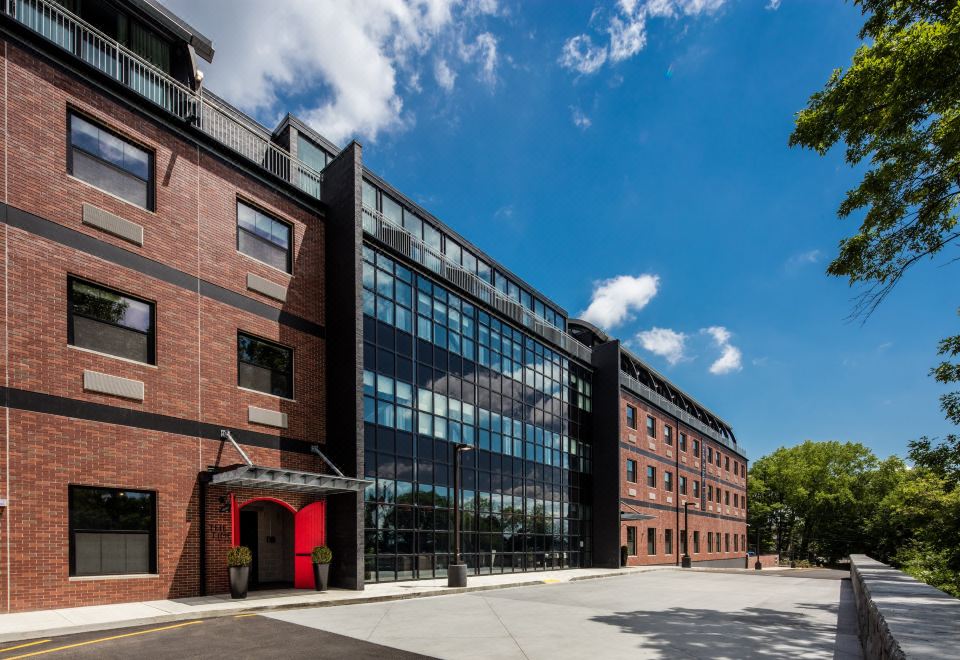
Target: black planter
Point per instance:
(321, 575)
(239, 580)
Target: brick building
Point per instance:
(215, 333)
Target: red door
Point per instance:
(309, 530)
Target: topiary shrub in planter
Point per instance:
(239, 559)
(322, 556)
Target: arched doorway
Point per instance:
(267, 528)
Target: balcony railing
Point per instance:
(647, 393)
(211, 116)
(398, 238)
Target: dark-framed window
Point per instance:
(668, 434)
(263, 237)
(651, 427)
(631, 471)
(709, 541)
(107, 321)
(102, 158)
(264, 366)
(726, 463)
(696, 448)
(668, 481)
(651, 476)
(709, 454)
(696, 542)
(726, 542)
(631, 416)
(696, 488)
(668, 541)
(683, 441)
(112, 531)
(631, 541)
(651, 541)
(682, 484)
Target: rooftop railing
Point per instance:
(649, 394)
(211, 116)
(399, 239)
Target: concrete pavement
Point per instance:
(664, 614)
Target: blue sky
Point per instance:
(580, 142)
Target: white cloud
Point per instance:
(627, 30)
(482, 51)
(731, 359)
(773, 5)
(346, 61)
(580, 120)
(797, 261)
(444, 75)
(614, 300)
(664, 342)
(580, 55)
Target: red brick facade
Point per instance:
(192, 231)
(723, 522)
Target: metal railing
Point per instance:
(211, 116)
(638, 388)
(398, 238)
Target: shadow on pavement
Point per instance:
(749, 633)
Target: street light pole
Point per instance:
(686, 562)
(457, 571)
(758, 566)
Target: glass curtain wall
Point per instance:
(440, 371)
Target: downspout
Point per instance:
(676, 502)
(202, 568)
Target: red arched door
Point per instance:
(309, 530)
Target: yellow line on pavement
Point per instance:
(102, 639)
(550, 581)
(21, 646)
(240, 616)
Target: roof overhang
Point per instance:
(630, 515)
(255, 476)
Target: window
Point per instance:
(736, 469)
(263, 237)
(110, 322)
(668, 481)
(726, 542)
(631, 471)
(651, 476)
(632, 541)
(709, 492)
(719, 492)
(683, 541)
(726, 463)
(651, 541)
(726, 497)
(696, 542)
(112, 532)
(631, 417)
(668, 434)
(264, 366)
(709, 454)
(683, 442)
(103, 159)
(682, 484)
(718, 459)
(696, 488)
(668, 542)
(736, 501)
(709, 541)
(736, 543)
(651, 427)
(696, 448)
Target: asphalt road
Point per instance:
(662, 614)
(229, 637)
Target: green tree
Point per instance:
(897, 110)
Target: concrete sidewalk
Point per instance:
(49, 623)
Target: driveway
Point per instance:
(664, 614)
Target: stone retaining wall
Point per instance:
(899, 617)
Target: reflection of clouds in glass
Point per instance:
(137, 315)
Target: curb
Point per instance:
(257, 609)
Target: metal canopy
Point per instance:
(264, 477)
(629, 515)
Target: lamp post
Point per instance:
(457, 571)
(758, 566)
(686, 561)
